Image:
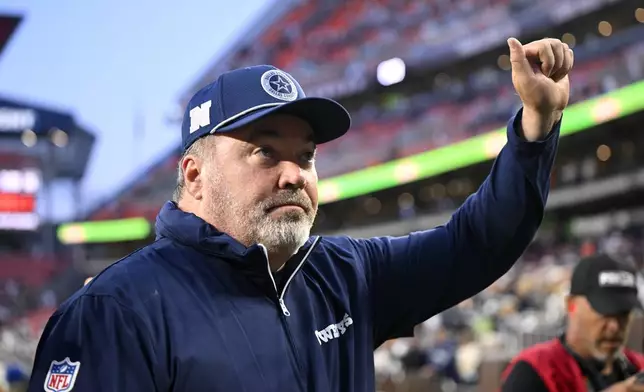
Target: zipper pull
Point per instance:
(284, 308)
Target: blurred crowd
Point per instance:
(402, 125)
(25, 305)
(522, 308)
(331, 40)
(321, 41)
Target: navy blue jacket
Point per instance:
(197, 311)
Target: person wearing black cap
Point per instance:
(590, 355)
(235, 295)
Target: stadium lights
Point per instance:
(569, 39)
(391, 71)
(19, 181)
(605, 28)
(15, 119)
(59, 137)
(603, 153)
(29, 138)
(504, 62)
(28, 221)
(639, 15)
(129, 229)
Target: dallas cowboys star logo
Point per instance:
(279, 84)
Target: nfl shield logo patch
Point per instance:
(61, 375)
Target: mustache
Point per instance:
(285, 198)
(614, 339)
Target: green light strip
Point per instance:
(578, 117)
(104, 231)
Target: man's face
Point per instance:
(604, 335)
(260, 183)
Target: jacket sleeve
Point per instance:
(414, 277)
(94, 345)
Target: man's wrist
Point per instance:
(536, 126)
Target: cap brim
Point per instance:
(614, 303)
(328, 119)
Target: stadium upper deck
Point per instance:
(38, 146)
(333, 47)
(432, 107)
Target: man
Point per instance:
(591, 354)
(235, 296)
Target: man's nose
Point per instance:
(613, 324)
(291, 176)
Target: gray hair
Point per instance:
(198, 149)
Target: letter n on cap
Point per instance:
(200, 116)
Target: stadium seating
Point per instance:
(342, 40)
(26, 269)
(401, 125)
(333, 40)
(404, 126)
(523, 308)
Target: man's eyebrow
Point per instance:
(256, 134)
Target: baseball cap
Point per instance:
(244, 95)
(609, 285)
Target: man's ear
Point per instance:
(570, 304)
(192, 167)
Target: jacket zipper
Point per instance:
(280, 296)
(285, 312)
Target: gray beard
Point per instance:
(285, 234)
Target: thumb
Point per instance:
(518, 59)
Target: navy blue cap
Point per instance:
(244, 95)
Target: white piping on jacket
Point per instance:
(280, 296)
